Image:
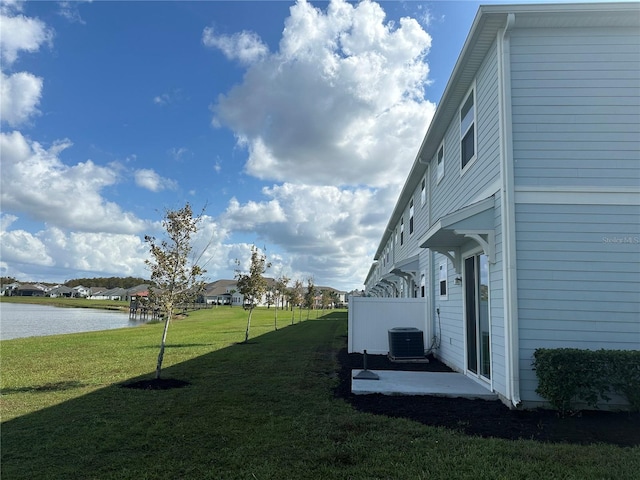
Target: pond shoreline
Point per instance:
(110, 305)
(28, 319)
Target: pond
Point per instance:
(18, 320)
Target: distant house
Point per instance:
(61, 291)
(111, 294)
(137, 292)
(81, 291)
(221, 292)
(225, 292)
(30, 290)
(518, 226)
(93, 291)
(9, 289)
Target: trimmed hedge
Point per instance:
(567, 375)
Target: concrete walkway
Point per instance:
(442, 384)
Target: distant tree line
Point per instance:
(107, 282)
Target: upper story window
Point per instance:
(402, 231)
(423, 191)
(468, 130)
(411, 217)
(440, 163)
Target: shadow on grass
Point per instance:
(116, 432)
(45, 388)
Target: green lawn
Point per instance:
(264, 410)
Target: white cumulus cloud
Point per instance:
(19, 96)
(340, 103)
(151, 180)
(36, 183)
(246, 47)
(20, 246)
(20, 33)
(328, 230)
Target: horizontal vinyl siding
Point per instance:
(450, 325)
(576, 106)
(576, 287)
(456, 191)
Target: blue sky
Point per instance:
(293, 125)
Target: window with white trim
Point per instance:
(468, 130)
(440, 163)
(442, 280)
(402, 231)
(423, 191)
(411, 217)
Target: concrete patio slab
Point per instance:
(442, 384)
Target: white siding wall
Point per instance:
(576, 107)
(576, 129)
(578, 286)
(454, 192)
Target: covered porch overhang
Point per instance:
(473, 222)
(405, 271)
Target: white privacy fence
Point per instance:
(370, 319)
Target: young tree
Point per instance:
(310, 295)
(335, 298)
(177, 278)
(253, 285)
(280, 289)
(296, 298)
(325, 300)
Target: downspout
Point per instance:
(507, 204)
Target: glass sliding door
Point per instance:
(478, 335)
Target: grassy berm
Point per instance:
(262, 410)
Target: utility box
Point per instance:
(405, 343)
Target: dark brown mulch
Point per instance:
(156, 384)
(486, 418)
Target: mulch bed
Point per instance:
(482, 417)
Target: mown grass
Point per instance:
(263, 410)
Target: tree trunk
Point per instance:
(246, 333)
(275, 321)
(162, 344)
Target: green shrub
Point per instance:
(567, 375)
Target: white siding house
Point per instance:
(519, 223)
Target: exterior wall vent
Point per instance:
(405, 343)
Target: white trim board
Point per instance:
(578, 195)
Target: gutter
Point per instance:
(507, 203)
